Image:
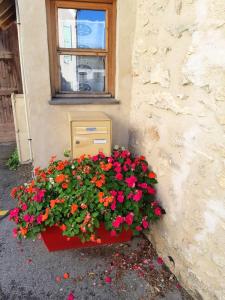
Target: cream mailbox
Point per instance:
(91, 132)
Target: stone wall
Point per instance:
(178, 121)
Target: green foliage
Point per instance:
(13, 162)
(77, 195)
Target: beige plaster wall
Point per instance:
(178, 122)
(170, 76)
(49, 124)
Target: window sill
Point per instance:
(83, 101)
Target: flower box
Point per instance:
(69, 199)
(54, 240)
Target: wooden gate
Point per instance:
(10, 80)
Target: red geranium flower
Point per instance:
(157, 211)
(60, 178)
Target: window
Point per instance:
(81, 38)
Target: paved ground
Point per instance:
(29, 271)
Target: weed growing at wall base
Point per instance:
(13, 162)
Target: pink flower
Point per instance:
(133, 166)
(157, 211)
(113, 193)
(39, 195)
(14, 232)
(144, 167)
(113, 205)
(14, 213)
(160, 261)
(138, 228)
(119, 176)
(130, 195)
(131, 181)
(151, 190)
(24, 207)
(154, 204)
(117, 169)
(125, 168)
(145, 223)
(116, 154)
(32, 218)
(113, 233)
(128, 161)
(95, 158)
(39, 219)
(71, 296)
(116, 164)
(118, 221)
(110, 160)
(129, 218)
(101, 154)
(138, 195)
(26, 218)
(143, 185)
(125, 153)
(108, 279)
(120, 197)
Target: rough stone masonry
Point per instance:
(178, 122)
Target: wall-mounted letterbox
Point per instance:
(91, 132)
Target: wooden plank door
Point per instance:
(10, 80)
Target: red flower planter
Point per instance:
(54, 240)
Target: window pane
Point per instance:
(82, 73)
(81, 28)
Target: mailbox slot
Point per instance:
(89, 136)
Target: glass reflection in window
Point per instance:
(81, 28)
(82, 73)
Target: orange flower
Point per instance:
(63, 227)
(87, 219)
(43, 175)
(99, 183)
(13, 192)
(60, 178)
(36, 171)
(100, 196)
(23, 231)
(66, 275)
(45, 216)
(152, 175)
(74, 208)
(30, 188)
(60, 166)
(105, 200)
(105, 167)
(92, 238)
(98, 241)
(65, 185)
(83, 229)
(94, 179)
(52, 203)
